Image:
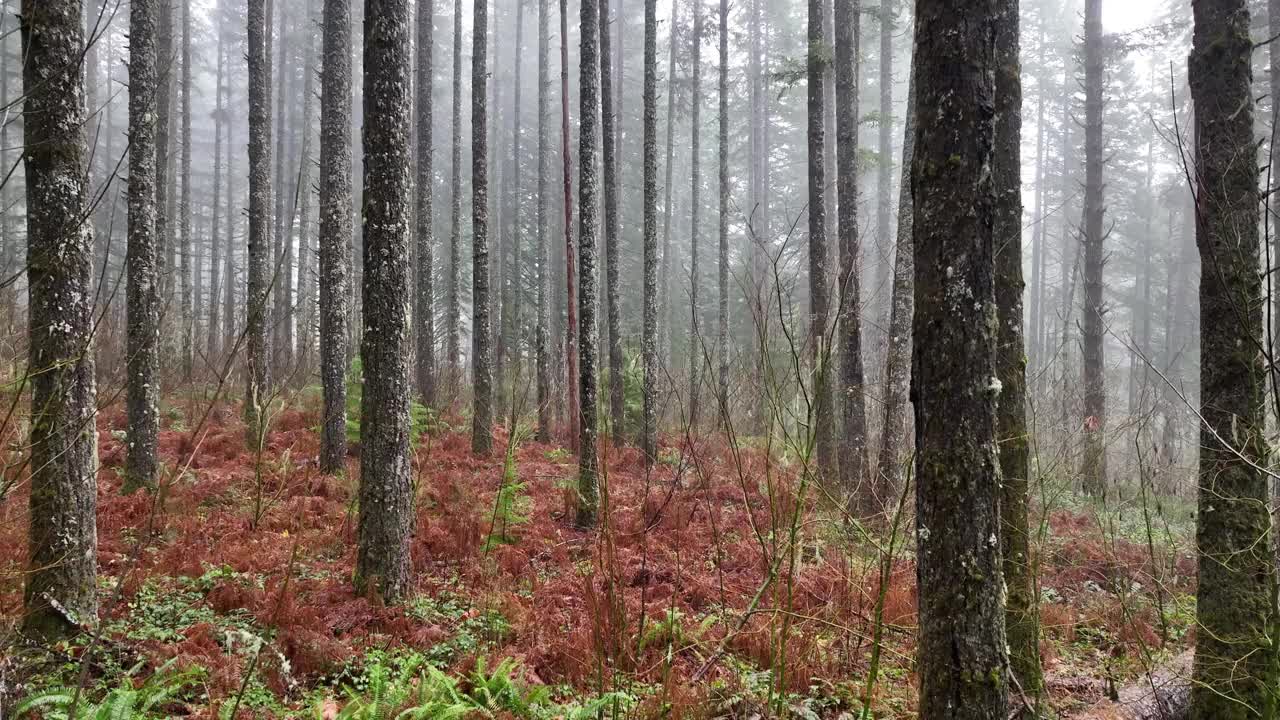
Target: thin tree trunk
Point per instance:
(215, 237)
(863, 495)
(61, 585)
(571, 326)
(424, 309)
(544, 272)
(386, 497)
(665, 349)
(281, 262)
(453, 341)
(613, 259)
(1037, 220)
(187, 245)
(1021, 619)
(302, 312)
(1094, 467)
(649, 343)
(722, 342)
(143, 250)
(888, 12)
(481, 338)
(695, 218)
(962, 652)
(513, 287)
(588, 329)
(335, 229)
(819, 313)
(895, 436)
(258, 288)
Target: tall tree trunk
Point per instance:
(588, 329)
(758, 300)
(1021, 621)
(164, 175)
(386, 497)
(695, 217)
(453, 341)
(215, 238)
(722, 329)
(853, 442)
(1234, 670)
(649, 342)
(279, 272)
(142, 253)
(613, 260)
(1037, 220)
(424, 308)
(512, 321)
(888, 13)
(667, 211)
(542, 331)
(229, 338)
(335, 228)
(61, 584)
(302, 310)
(1094, 467)
(481, 339)
(187, 246)
(258, 287)
(571, 326)
(894, 435)
(962, 653)
(819, 301)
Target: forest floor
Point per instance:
(231, 587)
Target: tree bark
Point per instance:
(722, 325)
(280, 272)
(1021, 621)
(213, 335)
(543, 339)
(588, 329)
(386, 499)
(61, 587)
(481, 329)
(187, 246)
(649, 342)
(453, 341)
(695, 218)
(863, 495)
(571, 326)
(424, 308)
(335, 228)
(142, 253)
(258, 286)
(1094, 467)
(962, 652)
(1234, 673)
(819, 300)
(613, 261)
(895, 436)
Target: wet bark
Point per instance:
(335, 228)
(543, 334)
(1094, 464)
(61, 585)
(1021, 621)
(962, 651)
(424, 305)
(453, 339)
(820, 353)
(613, 260)
(386, 500)
(187, 245)
(481, 328)
(258, 285)
(649, 340)
(588, 328)
(1234, 672)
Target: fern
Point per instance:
(421, 418)
(122, 703)
(511, 506)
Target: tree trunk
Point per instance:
(894, 434)
(888, 12)
(695, 218)
(481, 339)
(571, 326)
(424, 308)
(187, 246)
(258, 288)
(542, 331)
(854, 484)
(279, 272)
(1021, 621)
(819, 302)
(1094, 467)
(649, 342)
(664, 293)
(335, 229)
(386, 498)
(722, 340)
(215, 238)
(588, 329)
(1234, 672)
(613, 260)
(164, 176)
(303, 310)
(453, 341)
(962, 652)
(1037, 221)
(61, 587)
